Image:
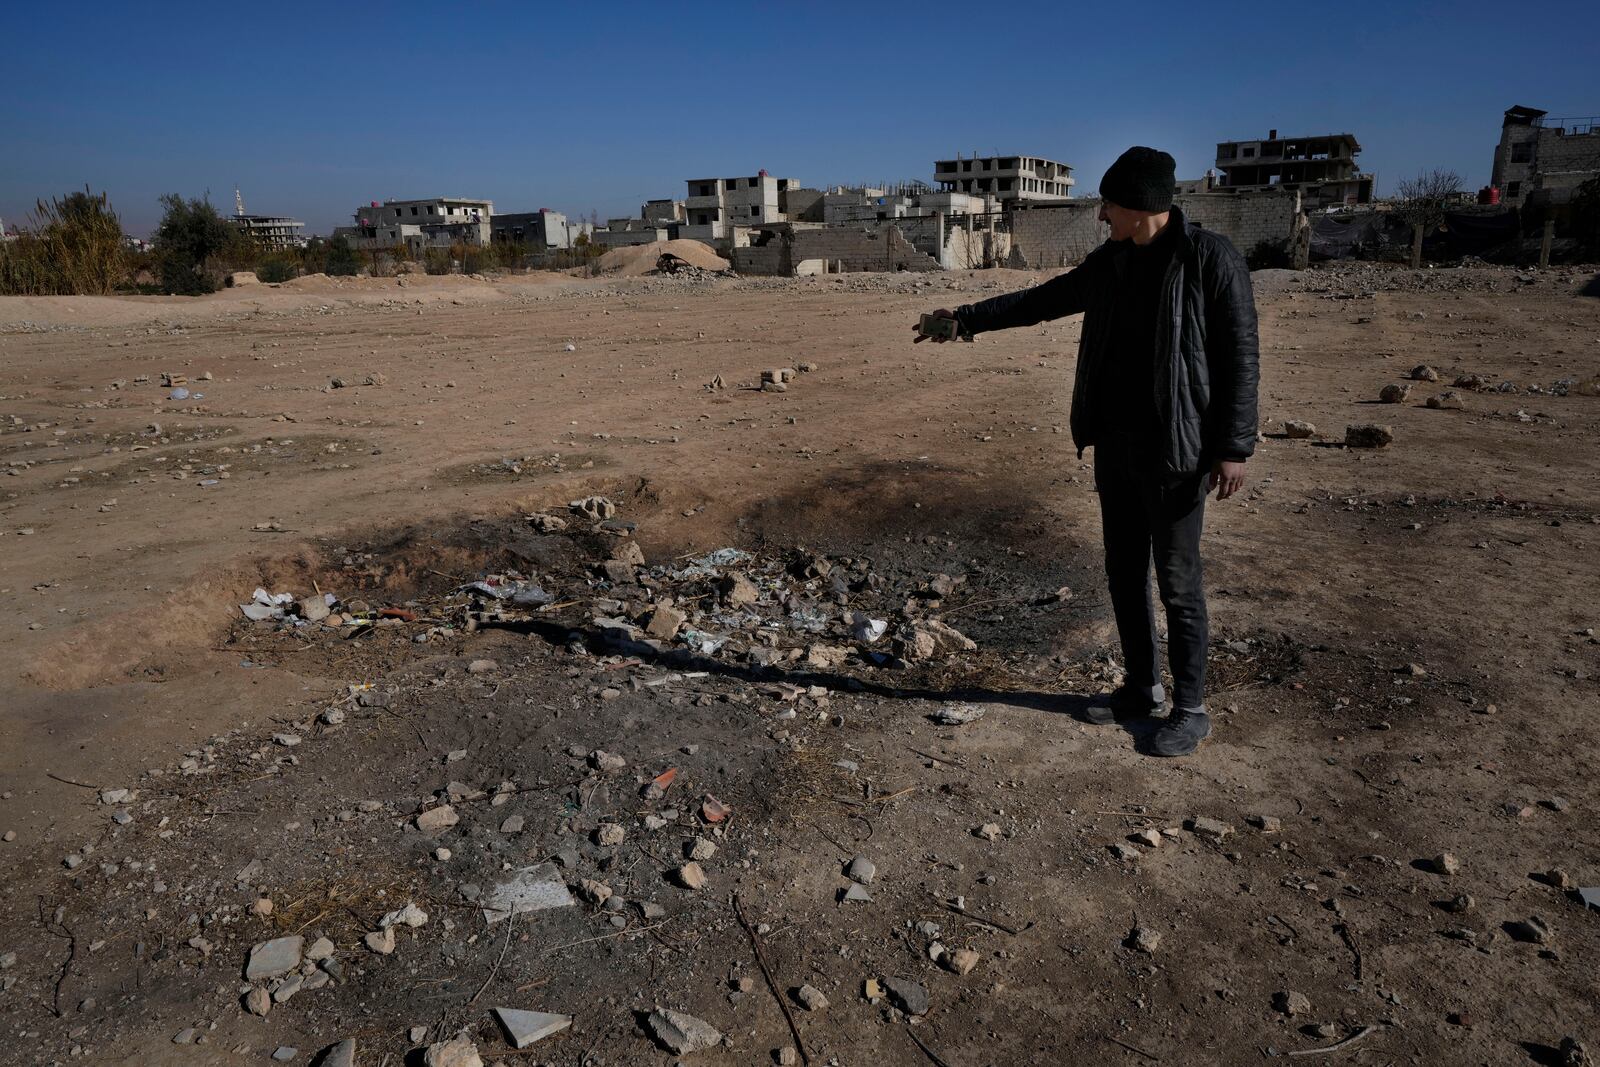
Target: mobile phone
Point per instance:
(937, 326)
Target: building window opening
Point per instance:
(1522, 153)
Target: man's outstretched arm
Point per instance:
(1054, 299)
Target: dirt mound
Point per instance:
(635, 260)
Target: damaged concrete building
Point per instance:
(1005, 178)
(1540, 158)
(1322, 169)
(437, 222)
(716, 205)
(541, 229)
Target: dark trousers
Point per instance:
(1147, 516)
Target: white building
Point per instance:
(420, 224)
(716, 205)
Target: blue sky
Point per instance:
(315, 109)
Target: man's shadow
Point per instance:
(1077, 706)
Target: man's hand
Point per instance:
(942, 313)
(1227, 477)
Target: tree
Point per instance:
(1586, 215)
(191, 235)
(343, 260)
(1422, 203)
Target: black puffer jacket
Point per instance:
(1207, 361)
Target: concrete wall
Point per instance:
(840, 248)
(1060, 235)
(619, 238)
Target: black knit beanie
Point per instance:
(1142, 179)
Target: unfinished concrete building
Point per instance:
(541, 229)
(1544, 158)
(1322, 168)
(438, 222)
(273, 231)
(1007, 179)
(716, 205)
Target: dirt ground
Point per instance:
(1404, 666)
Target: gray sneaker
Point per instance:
(1182, 733)
(1127, 702)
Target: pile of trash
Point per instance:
(800, 611)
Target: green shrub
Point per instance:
(75, 246)
(438, 261)
(342, 260)
(277, 268)
(190, 242)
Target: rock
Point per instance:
(1125, 853)
(1444, 863)
(617, 572)
(786, 1056)
(511, 824)
(595, 892)
(320, 949)
(272, 958)
(692, 876)
(957, 714)
(312, 608)
(1532, 930)
(1267, 824)
(856, 894)
(908, 996)
(287, 740)
(737, 591)
(610, 835)
(381, 941)
(548, 524)
(1460, 904)
(258, 1001)
(665, 622)
(287, 989)
(1557, 878)
(1291, 1003)
(1423, 373)
(1368, 435)
(680, 1033)
(373, 698)
(1152, 838)
(594, 507)
(262, 906)
(332, 716)
(1298, 429)
(606, 761)
(459, 1051)
(989, 831)
(1573, 1054)
(285, 1053)
(1449, 400)
(1143, 939)
(961, 961)
(925, 639)
(811, 998)
(437, 820)
(410, 915)
(862, 870)
(702, 849)
(535, 888)
(628, 552)
(342, 1054)
(1394, 394)
(1212, 830)
(482, 666)
(523, 1028)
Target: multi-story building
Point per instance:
(438, 222)
(1551, 157)
(1005, 178)
(1323, 168)
(716, 205)
(274, 231)
(543, 228)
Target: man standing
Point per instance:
(1165, 393)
